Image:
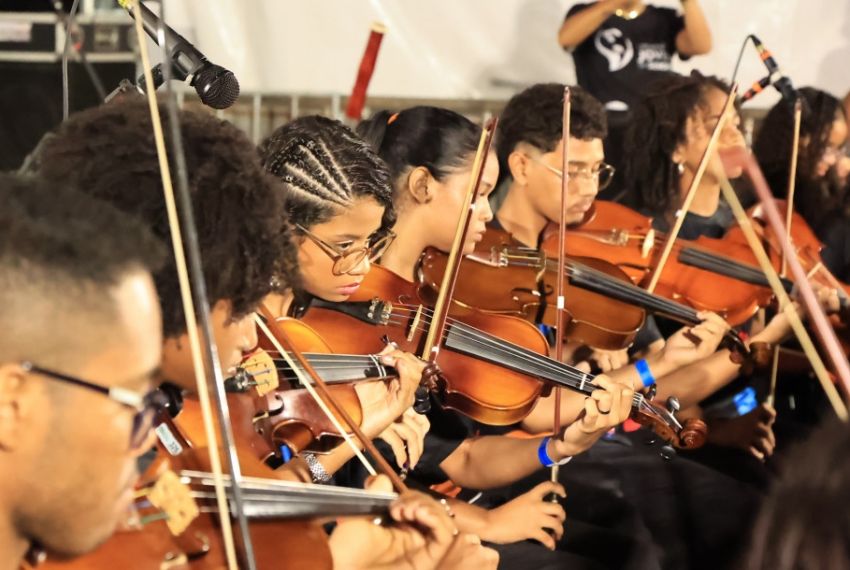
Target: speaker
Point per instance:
(31, 46)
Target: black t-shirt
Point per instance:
(617, 61)
(835, 235)
(695, 226)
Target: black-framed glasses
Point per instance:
(347, 261)
(602, 173)
(145, 406)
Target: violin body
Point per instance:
(492, 282)
(486, 392)
(153, 545)
(707, 274)
(294, 418)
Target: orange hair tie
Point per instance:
(392, 118)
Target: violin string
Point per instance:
(627, 291)
(562, 372)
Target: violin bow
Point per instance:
(560, 284)
(792, 175)
(431, 349)
(789, 218)
(357, 99)
(689, 197)
(195, 301)
(807, 295)
(310, 379)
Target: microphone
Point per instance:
(216, 86)
(775, 76)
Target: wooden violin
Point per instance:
(501, 276)
(719, 275)
(285, 411)
(493, 367)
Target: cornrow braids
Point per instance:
(324, 167)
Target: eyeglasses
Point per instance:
(146, 406)
(602, 173)
(347, 261)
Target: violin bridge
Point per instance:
(648, 244)
(415, 324)
(173, 497)
(263, 371)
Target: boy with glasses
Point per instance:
(81, 343)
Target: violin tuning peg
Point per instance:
(667, 452)
(650, 393)
(673, 404)
(422, 401)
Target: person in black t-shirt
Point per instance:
(618, 45)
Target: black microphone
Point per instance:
(775, 76)
(216, 86)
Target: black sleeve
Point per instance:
(648, 334)
(836, 251)
(448, 430)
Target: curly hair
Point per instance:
(816, 197)
(659, 125)
(437, 139)
(324, 166)
(536, 116)
(61, 252)
(108, 152)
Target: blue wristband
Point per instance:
(645, 374)
(544, 458)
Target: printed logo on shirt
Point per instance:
(615, 47)
(653, 57)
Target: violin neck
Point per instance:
(341, 368)
(275, 499)
(588, 278)
(701, 259)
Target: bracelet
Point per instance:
(645, 374)
(317, 470)
(544, 458)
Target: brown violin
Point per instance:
(719, 275)
(286, 413)
(500, 277)
(494, 367)
(503, 277)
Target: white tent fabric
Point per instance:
(482, 48)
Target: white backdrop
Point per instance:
(482, 48)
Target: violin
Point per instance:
(500, 277)
(175, 525)
(503, 277)
(493, 367)
(286, 411)
(719, 275)
(806, 245)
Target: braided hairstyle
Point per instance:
(324, 167)
(658, 127)
(437, 139)
(815, 197)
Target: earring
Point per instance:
(680, 167)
